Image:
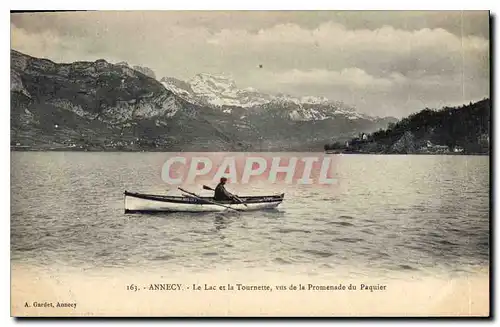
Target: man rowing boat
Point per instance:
(221, 194)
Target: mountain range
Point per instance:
(222, 92)
(104, 106)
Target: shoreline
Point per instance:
(266, 151)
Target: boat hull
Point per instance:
(148, 203)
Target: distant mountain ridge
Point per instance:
(145, 70)
(222, 92)
(103, 106)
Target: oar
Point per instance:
(208, 201)
(205, 187)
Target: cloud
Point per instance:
(349, 77)
(333, 45)
(457, 22)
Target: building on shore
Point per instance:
(434, 148)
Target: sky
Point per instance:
(383, 63)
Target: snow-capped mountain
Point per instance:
(221, 92)
(217, 91)
(182, 90)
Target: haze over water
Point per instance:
(388, 214)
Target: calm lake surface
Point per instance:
(422, 214)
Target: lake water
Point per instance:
(388, 214)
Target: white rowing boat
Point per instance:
(149, 203)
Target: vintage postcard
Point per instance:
(250, 164)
